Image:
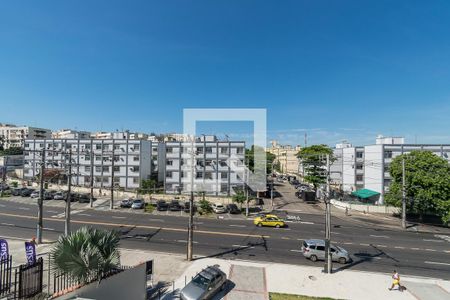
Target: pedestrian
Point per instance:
(396, 281)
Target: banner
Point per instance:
(30, 252)
(4, 250)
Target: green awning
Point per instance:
(364, 193)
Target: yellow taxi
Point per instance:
(268, 220)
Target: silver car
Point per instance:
(205, 284)
(315, 250)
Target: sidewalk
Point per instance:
(249, 280)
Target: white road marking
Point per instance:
(8, 224)
(430, 250)
(184, 241)
(364, 244)
(435, 241)
(295, 250)
(46, 228)
(86, 215)
(381, 246)
(398, 247)
(380, 236)
(311, 223)
(437, 263)
(240, 246)
(415, 249)
(116, 217)
(331, 232)
(24, 208)
(158, 220)
(237, 225)
(347, 243)
(52, 211)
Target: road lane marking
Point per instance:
(437, 263)
(381, 246)
(447, 251)
(24, 208)
(52, 211)
(331, 232)
(347, 243)
(398, 247)
(8, 224)
(295, 250)
(184, 241)
(86, 215)
(415, 248)
(435, 241)
(116, 217)
(232, 225)
(364, 244)
(46, 228)
(241, 246)
(310, 223)
(380, 236)
(140, 226)
(430, 250)
(285, 238)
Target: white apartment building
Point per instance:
(14, 136)
(70, 134)
(336, 168)
(93, 158)
(368, 166)
(210, 163)
(286, 155)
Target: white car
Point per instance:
(219, 208)
(35, 194)
(58, 196)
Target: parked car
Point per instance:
(4, 187)
(84, 198)
(35, 194)
(126, 203)
(161, 205)
(138, 204)
(269, 220)
(205, 284)
(26, 192)
(59, 196)
(219, 208)
(175, 205)
(17, 191)
(73, 196)
(187, 206)
(315, 250)
(233, 209)
(48, 195)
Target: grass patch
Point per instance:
(278, 296)
(149, 208)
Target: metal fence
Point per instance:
(28, 279)
(6, 276)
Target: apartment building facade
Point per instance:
(286, 155)
(368, 166)
(212, 166)
(15, 136)
(70, 134)
(122, 162)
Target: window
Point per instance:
(135, 158)
(87, 179)
(359, 167)
(388, 154)
(87, 146)
(223, 150)
(87, 157)
(87, 168)
(359, 154)
(136, 180)
(116, 158)
(154, 149)
(98, 157)
(199, 150)
(359, 178)
(208, 149)
(224, 187)
(134, 169)
(98, 146)
(223, 163)
(116, 179)
(169, 174)
(41, 145)
(169, 162)
(169, 150)
(116, 169)
(98, 168)
(26, 153)
(321, 248)
(135, 147)
(105, 169)
(199, 175)
(98, 179)
(223, 175)
(105, 180)
(208, 175)
(240, 150)
(27, 145)
(116, 147)
(105, 147)
(105, 158)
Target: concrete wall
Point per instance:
(129, 284)
(348, 169)
(379, 209)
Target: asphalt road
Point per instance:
(382, 250)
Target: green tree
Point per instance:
(239, 198)
(147, 186)
(87, 253)
(205, 206)
(11, 151)
(427, 184)
(250, 161)
(313, 159)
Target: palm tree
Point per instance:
(87, 253)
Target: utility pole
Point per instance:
(69, 197)
(91, 178)
(111, 204)
(328, 258)
(403, 194)
(41, 199)
(190, 244)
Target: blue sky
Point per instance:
(334, 69)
